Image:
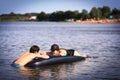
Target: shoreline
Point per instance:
(100, 21)
(88, 21)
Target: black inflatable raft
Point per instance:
(53, 60)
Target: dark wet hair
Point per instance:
(34, 49)
(54, 47)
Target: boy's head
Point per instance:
(34, 49)
(55, 49)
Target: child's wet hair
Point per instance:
(34, 49)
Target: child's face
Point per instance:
(56, 53)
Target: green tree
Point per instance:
(60, 16)
(52, 16)
(106, 12)
(78, 16)
(69, 15)
(57, 16)
(76, 13)
(42, 16)
(93, 13)
(12, 14)
(96, 13)
(116, 13)
(84, 14)
(99, 13)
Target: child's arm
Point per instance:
(43, 53)
(42, 56)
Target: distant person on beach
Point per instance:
(29, 56)
(56, 51)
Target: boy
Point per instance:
(56, 51)
(28, 56)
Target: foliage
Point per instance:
(116, 13)
(42, 16)
(106, 12)
(95, 13)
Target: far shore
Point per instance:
(99, 21)
(88, 21)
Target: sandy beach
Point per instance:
(99, 21)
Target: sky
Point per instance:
(49, 6)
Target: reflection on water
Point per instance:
(101, 41)
(56, 72)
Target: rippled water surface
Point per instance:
(100, 41)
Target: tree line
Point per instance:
(95, 13)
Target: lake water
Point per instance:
(100, 41)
